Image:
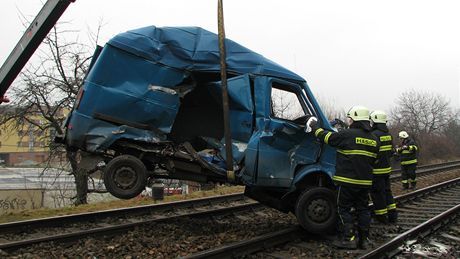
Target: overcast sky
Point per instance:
(350, 52)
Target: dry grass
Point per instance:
(42, 213)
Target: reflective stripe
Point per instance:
(318, 131)
(391, 206)
(385, 148)
(409, 162)
(406, 152)
(352, 181)
(366, 141)
(381, 170)
(352, 238)
(404, 181)
(326, 138)
(413, 147)
(385, 138)
(412, 180)
(380, 212)
(357, 152)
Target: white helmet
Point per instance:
(379, 116)
(403, 134)
(358, 113)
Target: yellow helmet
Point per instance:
(358, 113)
(403, 134)
(378, 116)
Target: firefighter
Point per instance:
(357, 150)
(384, 204)
(408, 156)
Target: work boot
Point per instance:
(363, 239)
(405, 186)
(392, 216)
(413, 184)
(348, 239)
(381, 219)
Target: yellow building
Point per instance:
(27, 146)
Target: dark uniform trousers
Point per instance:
(408, 162)
(408, 175)
(382, 197)
(351, 197)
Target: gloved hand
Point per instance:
(311, 125)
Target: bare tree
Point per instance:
(280, 104)
(330, 110)
(430, 120)
(285, 104)
(47, 88)
(421, 113)
(452, 131)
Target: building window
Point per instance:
(39, 144)
(23, 144)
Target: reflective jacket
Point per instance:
(356, 153)
(408, 152)
(383, 164)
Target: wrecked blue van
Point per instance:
(151, 107)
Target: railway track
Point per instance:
(420, 213)
(73, 227)
(426, 170)
(113, 222)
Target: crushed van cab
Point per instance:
(151, 107)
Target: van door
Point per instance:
(282, 144)
(241, 107)
(241, 112)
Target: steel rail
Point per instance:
(422, 230)
(122, 228)
(388, 249)
(246, 247)
(111, 230)
(16, 226)
(280, 237)
(427, 169)
(123, 212)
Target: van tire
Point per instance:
(316, 210)
(125, 176)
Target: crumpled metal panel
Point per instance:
(100, 138)
(99, 135)
(240, 105)
(128, 88)
(122, 89)
(196, 49)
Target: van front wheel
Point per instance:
(125, 176)
(316, 209)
